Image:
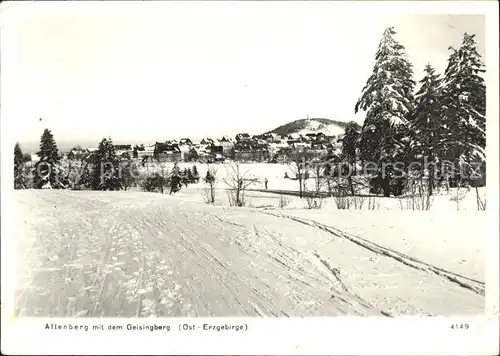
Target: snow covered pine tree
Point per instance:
(463, 103)
(47, 171)
(175, 180)
(349, 144)
(19, 174)
(427, 125)
(387, 99)
(105, 173)
(196, 175)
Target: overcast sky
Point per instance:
(153, 71)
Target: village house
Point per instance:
(336, 141)
(310, 136)
(124, 151)
(243, 137)
(200, 154)
(167, 152)
(300, 145)
(250, 156)
(122, 147)
(185, 146)
(319, 146)
(207, 141)
(34, 158)
(144, 151)
(315, 137)
(293, 138)
(250, 151)
(186, 154)
(272, 137)
(216, 153)
(185, 142)
(227, 146)
(77, 155)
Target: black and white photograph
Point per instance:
(247, 160)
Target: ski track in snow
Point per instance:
(129, 254)
(463, 281)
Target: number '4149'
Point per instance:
(460, 326)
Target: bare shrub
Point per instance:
(283, 201)
(299, 166)
(416, 202)
(207, 196)
(236, 200)
(481, 201)
(314, 202)
(373, 203)
(238, 182)
(342, 202)
(459, 196)
(346, 202)
(358, 201)
(417, 197)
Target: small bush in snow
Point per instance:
(342, 202)
(373, 203)
(421, 201)
(358, 201)
(481, 201)
(239, 201)
(238, 182)
(314, 202)
(458, 196)
(283, 201)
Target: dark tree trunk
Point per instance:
(386, 186)
(431, 179)
(351, 185)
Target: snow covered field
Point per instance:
(91, 253)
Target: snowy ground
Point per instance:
(142, 254)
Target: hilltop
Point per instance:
(302, 126)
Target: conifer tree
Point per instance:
(85, 179)
(19, 171)
(185, 177)
(190, 176)
(196, 175)
(463, 103)
(426, 124)
(387, 100)
(349, 145)
(175, 180)
(47, 171)
(209, 178)
(105, 173)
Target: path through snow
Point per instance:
(140, 254)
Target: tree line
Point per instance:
(102, 169)
(426, 133)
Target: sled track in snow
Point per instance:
(463, 281)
